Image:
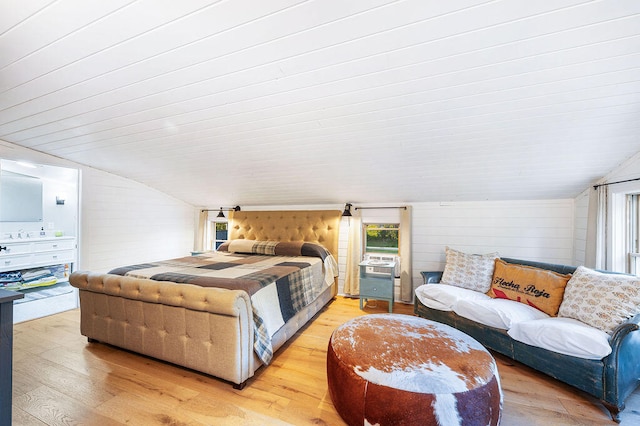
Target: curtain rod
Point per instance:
(613, 183)
(364, 208)
(235, 209)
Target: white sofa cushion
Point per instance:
(443, 296)
(563, 335)
(498, 313)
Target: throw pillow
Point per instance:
(536, 287)
(252, 247)
(599, 299)
(470, 271)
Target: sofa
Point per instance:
(589, 339)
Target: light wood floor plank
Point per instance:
(22, 418)
(55, 408)
(86, 390)
(59, 378)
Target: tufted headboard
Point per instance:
(313, 226)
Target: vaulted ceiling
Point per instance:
(327, 101)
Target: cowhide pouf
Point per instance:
(390, 369)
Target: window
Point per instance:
(633, 233)
(218, 234)
(381, 237)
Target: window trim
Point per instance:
(617, 229)
(211, 241)
(633, 233)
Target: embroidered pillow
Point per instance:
(536, 287)
(470, 271)
(600, 300)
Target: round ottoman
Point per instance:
(390, 369)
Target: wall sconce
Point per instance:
(221, 214)
(347, 210)
(59, 200)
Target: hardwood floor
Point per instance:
(60, 379)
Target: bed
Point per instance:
(223, 313)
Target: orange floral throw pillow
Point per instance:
(536, 287)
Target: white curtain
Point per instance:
(597, 224)
(201, 237)
(354, 255)
(406, 272)
(601, 227)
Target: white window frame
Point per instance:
(633, 234)
(211, 241)
(618, 232)
(364, 237)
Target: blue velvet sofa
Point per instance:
(611, 379)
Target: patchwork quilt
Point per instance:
(281, 278)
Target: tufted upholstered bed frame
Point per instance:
(206, 329)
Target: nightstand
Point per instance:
(376, 281)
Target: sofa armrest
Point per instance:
(622, 366)
(431, 277)
(621, 331)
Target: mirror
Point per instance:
(20, 197)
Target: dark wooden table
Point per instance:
(6, 353)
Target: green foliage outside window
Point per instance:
(221, 233)
(381, 237)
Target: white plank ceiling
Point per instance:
(327, 101)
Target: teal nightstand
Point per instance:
(376, 282)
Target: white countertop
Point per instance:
(34, 239)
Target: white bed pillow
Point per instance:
(563, 335)
(240, 246)
(444, 296)
(497, 313)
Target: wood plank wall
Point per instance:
(541, 230)
(124, 222)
